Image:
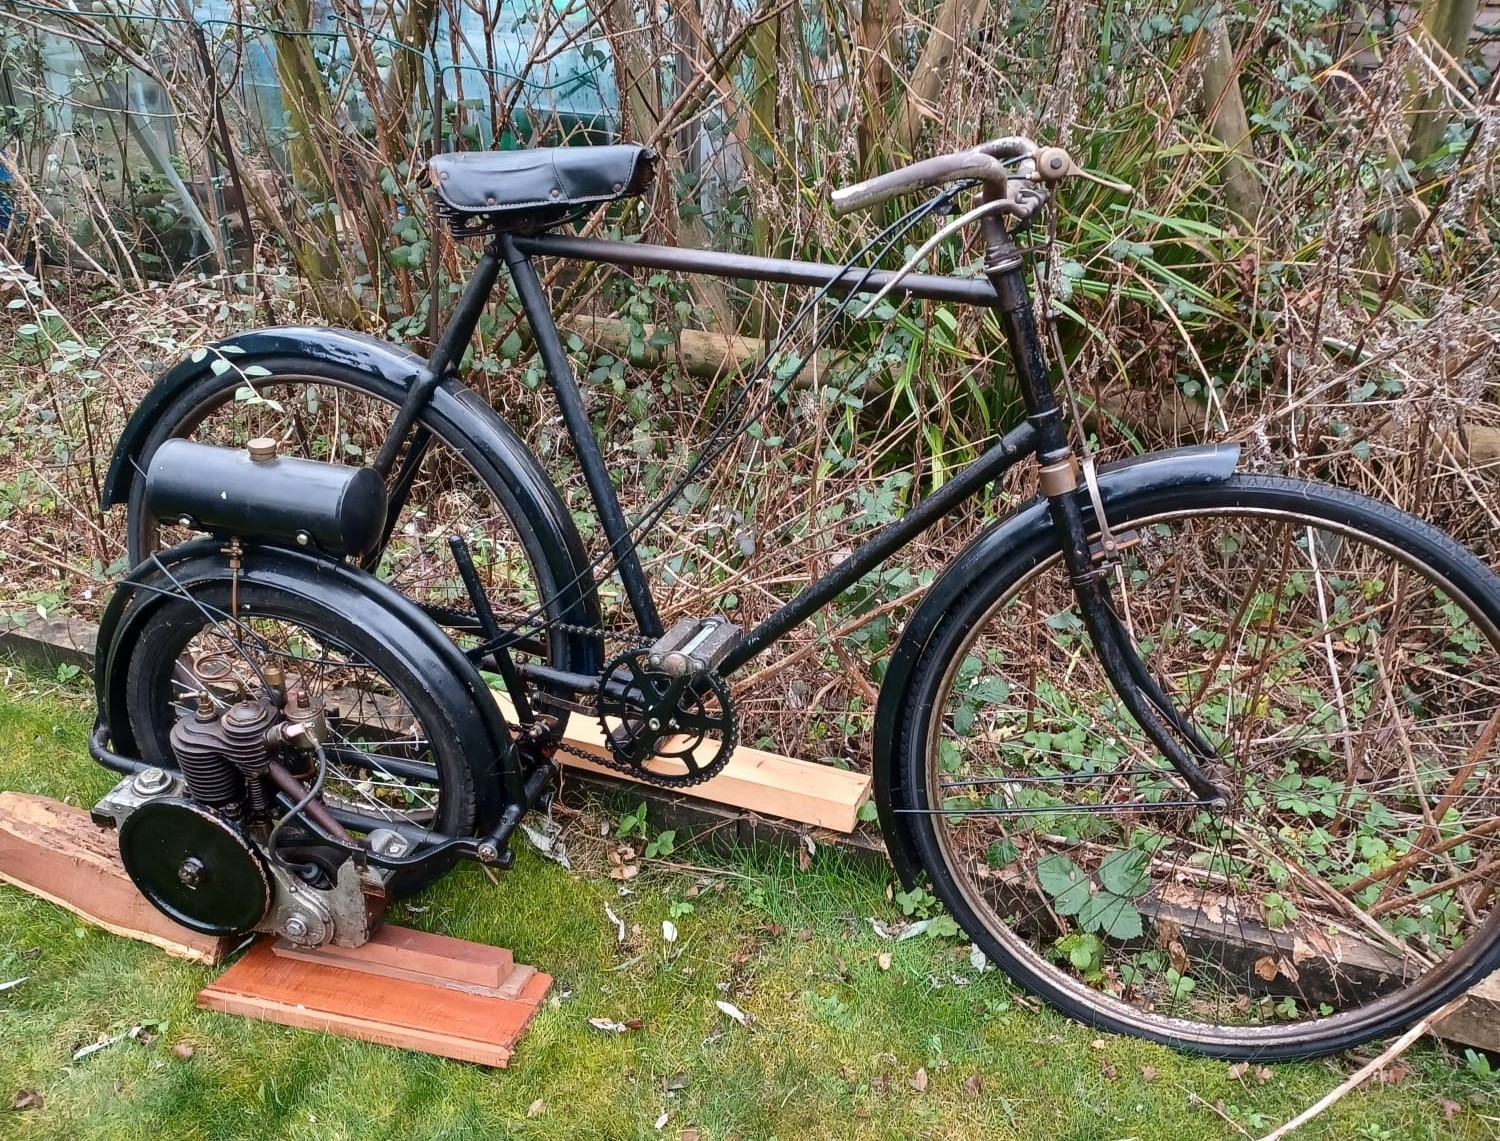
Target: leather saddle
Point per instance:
(538, 186)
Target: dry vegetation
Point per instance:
(1306, 264)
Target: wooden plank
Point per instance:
(1477, 1022)
(57, 853)
(421, 956)
(754, 780)
(398, 1012)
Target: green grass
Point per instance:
(832, 1050)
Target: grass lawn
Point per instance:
(836, 1047)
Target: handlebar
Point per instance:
(983, 162)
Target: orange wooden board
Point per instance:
(56, 852)
(421, 956)
(754, 780)
(394, 1012)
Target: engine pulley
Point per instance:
(196, 866)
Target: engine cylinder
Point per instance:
(198, 745)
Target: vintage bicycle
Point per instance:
(1194, 754)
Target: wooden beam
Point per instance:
(57, 853)
(47, 643)
(754, 780)
(1477, 1022)
(352, 1001)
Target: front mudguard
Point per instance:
(1028, 525)
(486, 441)
(396, 621)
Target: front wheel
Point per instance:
(1342, 659)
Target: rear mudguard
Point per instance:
(351, 592)
(489, 444)
(1032, 523)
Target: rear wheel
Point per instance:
(1342, 659)
(325, 411)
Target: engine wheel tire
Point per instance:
(393, 750)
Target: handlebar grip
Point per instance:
(927, 172)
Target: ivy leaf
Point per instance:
(1124, 873)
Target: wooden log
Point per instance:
(411, 1015)
(57, 853)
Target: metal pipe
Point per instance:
(1016, 444)
(445, 354)
(576, 419)
(783, 271)
(100, 751)
(315, 810)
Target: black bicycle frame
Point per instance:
(1043, 434)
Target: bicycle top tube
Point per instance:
(782, 271)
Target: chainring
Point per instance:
(651, 717)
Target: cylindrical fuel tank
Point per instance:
(254, 493)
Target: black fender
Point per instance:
(488, 443)
(355, 594)
(1031, 523)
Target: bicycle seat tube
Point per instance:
(576, 420)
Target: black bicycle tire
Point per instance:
(1466, 577)
(153, 657)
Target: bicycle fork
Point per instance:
(1138, 690)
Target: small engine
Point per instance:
(198, 842)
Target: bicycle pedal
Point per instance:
(694, 645)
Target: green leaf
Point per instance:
(1061, 879)
(1112, 914)
(1124, 873)
(867, 812)
(200, 354)
(1085, 952)
(220, 366)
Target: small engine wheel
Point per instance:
(399, 752)
(196, 867)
